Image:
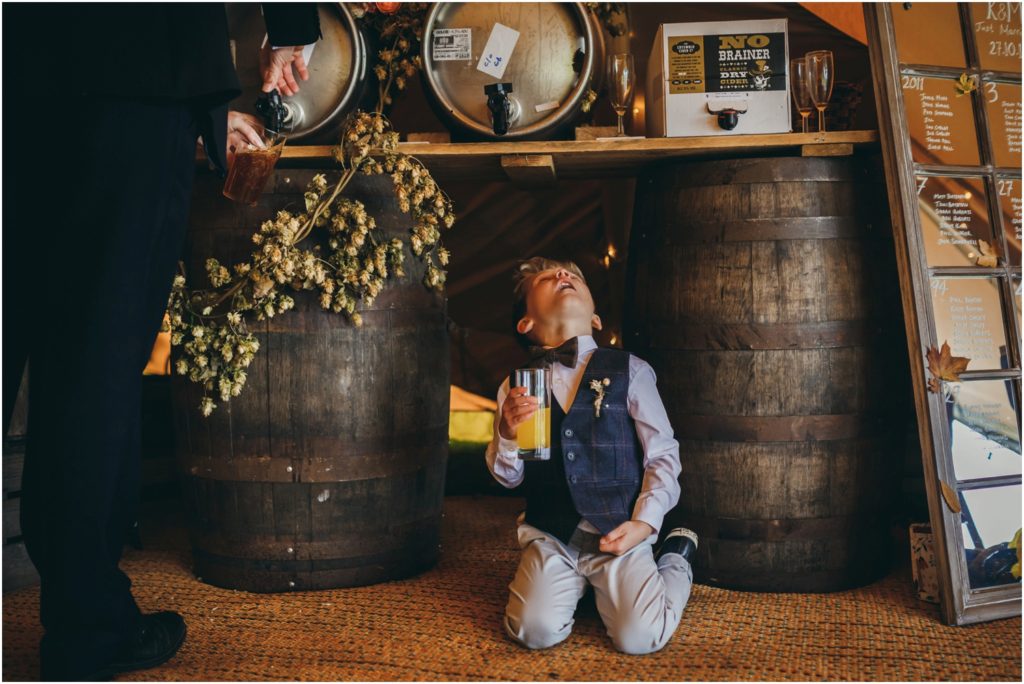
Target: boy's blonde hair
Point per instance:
(524, 274)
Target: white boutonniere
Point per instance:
(598, 387)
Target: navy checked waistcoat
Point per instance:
(596, 466)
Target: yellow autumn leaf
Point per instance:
(944, 366)
(1015, 544)
(950, 497)
(989, 255)
(965, 85)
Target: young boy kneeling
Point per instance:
(594, 509)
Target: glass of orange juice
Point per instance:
(534, 436)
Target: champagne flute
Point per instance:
(821, 72)
(621, 80)
(801, 93)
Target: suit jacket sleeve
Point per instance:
(291, 23)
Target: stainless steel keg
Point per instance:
(338, 71)
(499, 70)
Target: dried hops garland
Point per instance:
(351, 269)
(399, 25)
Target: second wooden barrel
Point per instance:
(328, 470)
(759, 292)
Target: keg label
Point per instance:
(498, 50)
(451, 45)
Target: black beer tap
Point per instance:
(500, 105)
(273, 110)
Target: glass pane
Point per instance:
(1003, 105)
(1015, 284)
(954, 216)
(1010, 209)
(996, 28)
(969, 316)
(928, 33)
(982, 417)
(989, 520)
(941, 125)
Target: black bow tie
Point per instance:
(565, 354)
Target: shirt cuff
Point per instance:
(649, 514)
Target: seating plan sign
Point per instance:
(948, 88)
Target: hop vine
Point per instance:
(348, 268)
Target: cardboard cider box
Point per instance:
(698, 70)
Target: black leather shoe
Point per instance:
(159, 638)
(682, 541)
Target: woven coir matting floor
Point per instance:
(445, 624)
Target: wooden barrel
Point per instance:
(762, 291)
(328, 470)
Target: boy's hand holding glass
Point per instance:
(517, 409)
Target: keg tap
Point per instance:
(280, 116)
(504, 109)
(728, 117)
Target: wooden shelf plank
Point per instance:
(592, 158)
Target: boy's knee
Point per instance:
(639, 639)
(536, 629)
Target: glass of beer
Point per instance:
(252, 167)
(534, 436)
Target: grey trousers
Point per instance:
(640, 601)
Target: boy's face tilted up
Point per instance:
(559, 306)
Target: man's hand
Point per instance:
(517, 408)
(276, 68)
(625, 536)
(243, 130)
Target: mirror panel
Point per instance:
(940, 124)
(1009, 190)
(954, 217)
(1003, 109)
(996, 27)
(989, 520)
(928, 33)
(969, 316)
(985, 434)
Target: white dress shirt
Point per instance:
(660, 489)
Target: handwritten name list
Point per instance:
(941, 125)
(1003, 107)
(969, 316)
(953, 218)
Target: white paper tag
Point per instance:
(547, 106)
(498, 50)
(307, 51)
(449, 45)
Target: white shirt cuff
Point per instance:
(506, 446)
(650, 514)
